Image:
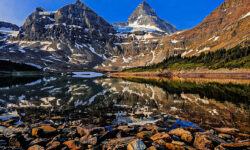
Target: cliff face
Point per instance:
(74, 34)
(227, 26)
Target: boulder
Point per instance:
(136, 145)
(53, 146)
(225, 136)
(88, 139)
(144, 134)
(44, 131)
(75, 145)
(171, 146)
(39, 141)
(184, 134)
(206, 140)
(115, 144)
(151, 148)
(164, 136)
(231, 131)
(81, 131)
(239, 145)
(36, 147)
(126, 129)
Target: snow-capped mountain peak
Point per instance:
(144, 18)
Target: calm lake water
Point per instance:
(106, 101)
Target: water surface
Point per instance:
(106, 101)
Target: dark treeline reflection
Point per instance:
(8, 81)
(236, 93)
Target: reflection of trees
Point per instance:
(236, 93)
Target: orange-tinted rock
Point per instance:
(178, 143)
(53, 146)
(81, 131)
(201, 142)
(144, 134)
(187, 137)
(244, 135)
(237, 145)
(125, 128)
(227, 130)
(151, 148)
(171, 146)
(36, 147)
(161, 142)
(115, 144)
(219, 147)
(73, 145)
(43, 131)
(39, 141)
(164, 136)
(184, 134)
(224, 136)
(179, 132)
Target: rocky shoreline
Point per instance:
(240, 74)
(166, 133)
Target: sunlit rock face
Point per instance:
(226, 27)
(118, 100)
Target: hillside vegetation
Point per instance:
(237, 57)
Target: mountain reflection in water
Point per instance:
(107, 101)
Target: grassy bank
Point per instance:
(237, 57)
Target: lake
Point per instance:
(133, 101)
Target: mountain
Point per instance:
(6, 26)
(76, 38)
(144, 18)
(73, 37)
(227, 26)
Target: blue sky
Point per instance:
(184, 14)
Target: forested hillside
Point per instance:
(237, 57)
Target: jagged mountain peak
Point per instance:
(144, 17)
(78, 2)
(142, 10)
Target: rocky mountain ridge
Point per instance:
(72, 37)
(7, 25)
(76, 38)
(225, 27)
